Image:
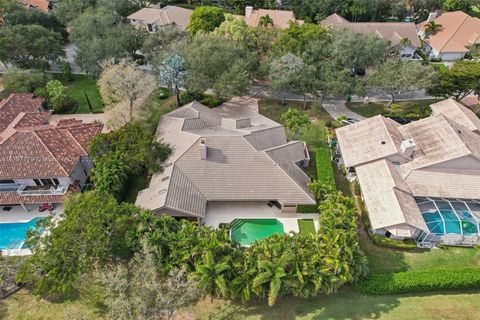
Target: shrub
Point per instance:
(15, 80)
(211, 101)
(324, 166)
(420, 281)
(307, 208)
(163, 93)
(187, 97)
(383, 241)
(356, 188)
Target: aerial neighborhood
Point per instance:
(236, 159)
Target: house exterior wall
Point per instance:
(447, 56)
(407, 52)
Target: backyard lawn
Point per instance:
(306, 226)
(414, 109)
(77, 88)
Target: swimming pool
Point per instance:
(13, 235)
(247, 231)
(444, 216)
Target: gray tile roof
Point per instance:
(248, 161)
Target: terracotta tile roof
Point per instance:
(281, 18)
(31, 148)
(391, 31)
(32, 119)
(14, 198)
(16, 103)
(459, 31)
(42, 5)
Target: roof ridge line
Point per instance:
(455, 32)
(49, 151)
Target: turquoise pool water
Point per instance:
(247, 231)
(13, 235)
(450, 216)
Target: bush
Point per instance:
(187, 97)
(163, 93)
(420, 281)
(383, 241)
(307, 208)
(15, 80)
(356, 188)
(324, 166)
(66, 104)
(211, 101)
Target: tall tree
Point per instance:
(101, 35)
(29, 46)
(172, 74)
(124, 86)
(431, 28)
(283, 73)
(158, 44)
(397, 76)
(205, 19)
(458, 81)
(15, 80)
(211, 275)
(217, 63)
(68, 10)
(296, 37)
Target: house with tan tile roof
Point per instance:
(153, 18)
(230, 155)
(458, 34)
(394, 32)
(40, 162)
(42, 5)
(281, 18)
(420, 180)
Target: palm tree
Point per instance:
(272, 272)
(405, 42)
(211, 275)
(431, 28)
(266, 21)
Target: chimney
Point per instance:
(407, 147)
(431, 16)
(248, 11)
(202, 146)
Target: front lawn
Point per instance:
(348, 304)
(77, 88)
(412, 109)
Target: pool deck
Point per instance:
(226, 212)
(18, 215)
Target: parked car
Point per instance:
(348, 121)
(45, 206)
(400, 120)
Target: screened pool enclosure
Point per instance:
(446, 216)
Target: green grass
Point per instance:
(348, 304)
(77, 88)
(306, 226)
(341, 181)
(384, 260)
(414, 109)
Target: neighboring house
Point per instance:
(229, 158)
(153, 18)
(40, 162)
(401, 35)
(280, 18)
(42, 5)
(458, 35)
(420, 180)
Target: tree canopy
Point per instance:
(29, 46)
(458, 81)
(205, 19)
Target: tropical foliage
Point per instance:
(205, 19)
(123, 153)
(294, 120)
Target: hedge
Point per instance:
(324, 166)
(383, 241)
(420, 281)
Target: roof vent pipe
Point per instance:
(202, 146)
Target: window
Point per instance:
(56, 182)
(37, 182)
(149, 27)
(7, 181)
(46, 182)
